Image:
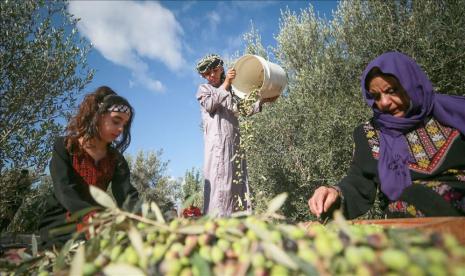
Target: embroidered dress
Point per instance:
(437, 170)
(89, 173)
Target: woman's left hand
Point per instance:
(230, 75)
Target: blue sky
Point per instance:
(147, 51)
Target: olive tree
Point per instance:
(304, 139)
(15, 184)
(148, 175)
(192, 188)
(33, 205)
(44, 68)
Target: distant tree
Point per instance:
(33, 205)
(44, 68)
(171, 192)
(192, 188)
(304, 139)
(148, 175)
(14, 185)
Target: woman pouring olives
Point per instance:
(225, 174)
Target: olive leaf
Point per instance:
(276, 203)
(239, 214)
(145, 209)
(306, 267)
(157, 211)
(192, 229)
(234, 231)
(262, 233)
(78, 262)
(102, 198)
(279, 255)
(60, 259)
(120, 218)
(122, 269)
(136, 241)
(34, 245)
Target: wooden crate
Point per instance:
(451, 225)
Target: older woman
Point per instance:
(413, 148)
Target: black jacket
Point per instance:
(67, 189)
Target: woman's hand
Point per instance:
(322, 199)
(230, 75)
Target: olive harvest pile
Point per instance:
(125, 244)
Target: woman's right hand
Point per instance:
(322, 199)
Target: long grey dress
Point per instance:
(226, 188)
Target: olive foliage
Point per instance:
(15, 184)
(304, 139)
(192, 188)
(44, 68)
(32, 205)
(148, 175)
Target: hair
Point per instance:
(376, 72)
(85, 123)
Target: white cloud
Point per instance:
(150, 83)
(235, 42)
(129, 33)
(209, 29)
(187, 6)
(213, 18)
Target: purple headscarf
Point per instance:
(394, 154)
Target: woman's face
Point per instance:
(390, 97)
(213, 76)
(111, 125)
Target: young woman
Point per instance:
(90, 154)
(413, 148)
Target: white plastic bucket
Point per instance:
(254, 72)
